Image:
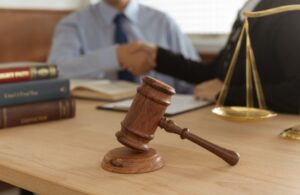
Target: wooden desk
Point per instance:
(63, 157)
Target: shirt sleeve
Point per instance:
(178, 41)
(67, 53)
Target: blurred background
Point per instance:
(212, 16)
(207, 22)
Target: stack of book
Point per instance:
(33, 94)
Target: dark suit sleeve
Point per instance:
(178, 66)
(285, 96)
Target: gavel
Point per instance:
(147, 113)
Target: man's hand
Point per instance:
(138, 58)
(208, 90)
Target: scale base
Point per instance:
(291, 133)
(127, 161)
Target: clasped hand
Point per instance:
(136, 57)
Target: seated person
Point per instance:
(276, 44)
(85, 43)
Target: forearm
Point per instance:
(89, 65)
(178, 66)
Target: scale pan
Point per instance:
(243, 113)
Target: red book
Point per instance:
(37, 112)
(27, 73)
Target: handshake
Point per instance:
(137, 57)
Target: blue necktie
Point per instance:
(121, 38)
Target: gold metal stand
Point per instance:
(249, 112)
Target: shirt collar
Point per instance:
(109, 13)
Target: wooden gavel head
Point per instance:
(147, 109)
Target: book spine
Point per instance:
(37, 112)
(17, 74)
(34, 91)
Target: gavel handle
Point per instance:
(231, 157)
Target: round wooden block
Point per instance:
(128, 161)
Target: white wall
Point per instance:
(43, 4)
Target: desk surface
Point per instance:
(64, 157)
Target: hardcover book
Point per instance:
(103, 89)
(36, 112)
(34, 91)
(27, 73)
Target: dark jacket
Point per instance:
(276, 43)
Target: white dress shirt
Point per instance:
(83, 45)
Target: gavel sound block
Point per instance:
(137, 129)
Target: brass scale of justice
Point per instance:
(153, 97)
(249, 113)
